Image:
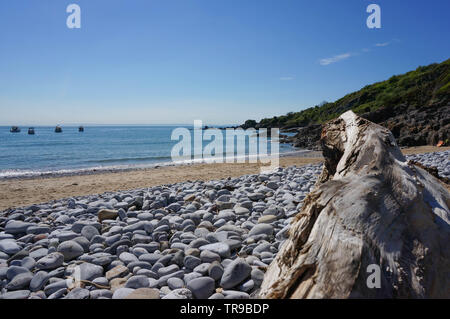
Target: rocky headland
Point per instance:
(414, 106)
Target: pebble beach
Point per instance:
(194, 239)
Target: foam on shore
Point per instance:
(13, 174)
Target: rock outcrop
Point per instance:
(411, 126)
(426, 125)
(369, 209)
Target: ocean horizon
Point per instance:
(98, 148)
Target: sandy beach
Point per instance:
(27, 191)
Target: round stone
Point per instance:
(175, 283)
(202, 268)
(102, 281)
(273, 185)
(201, 287)
(267, 219)
(257, 276)
(164, 271)
(116, 272)
(78, 293)
(222, 249)
(54, 287)
(28, 263)
(191, 261)
(241, 211)
(144, 293)
(122, 293)
(39, 280)
(215, 271)
(233, 294)
(19, 294)
(192, 275)
(13, 271)
(37, 230)
(16, 227)
(128, 258)
(208, 256)
(88, 271)
(89, 232)
(247, 286)
(51, 261)
(39, 253)
(20, 281)
(260, 229)
(70, 250)
(101, 294)
(182, 293)
(136, 282)
(235, 273)
(83, 242)
(150, 258)
(9, 246)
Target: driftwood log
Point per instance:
(369, 207)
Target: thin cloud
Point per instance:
(344, 56)
(334, 59)
(287, 78)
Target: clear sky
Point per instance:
(221, 61)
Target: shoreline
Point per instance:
(29, 174)
(19, 192)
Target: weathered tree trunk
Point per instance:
(368, 207)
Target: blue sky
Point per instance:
(173, 61)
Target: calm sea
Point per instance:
(97, 148)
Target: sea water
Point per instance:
(97, 148)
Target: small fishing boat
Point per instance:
(15, 129)
(81, 129)
(58, 129)
(31, 131)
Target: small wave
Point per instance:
(163, 161)
(17, 173)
